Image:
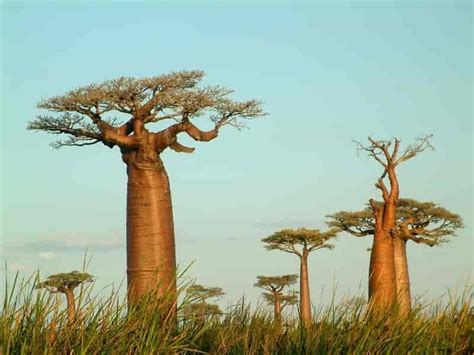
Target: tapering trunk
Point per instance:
(305, 304)
(277, 308)
(402, 276)
(382, 271)
(151, 260)
(71, 307)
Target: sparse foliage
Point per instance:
(65, 281)
(90, 114)
(299, 241)
(421, 222)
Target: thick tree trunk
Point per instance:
(71, 307)
(277, 308)
(151, 260)
(402, 276)
(305, 303)
(382, 271)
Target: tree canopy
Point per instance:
(300, 241)
(275, 285)
(202, 293)
(286, 299)
(95, 113)
(65, 281)
(421, 222)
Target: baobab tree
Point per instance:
(202, 294)
(274, 285)
(66, 283)
(382, 279)
(420, 222)
(301, 242)
(87, 116)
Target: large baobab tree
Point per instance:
(202, 293)
(301, 242)
(89, 115)
(274, 285)
(382, 279)
(420, 222)
(66, 283)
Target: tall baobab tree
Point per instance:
(382, 279)
(87, 116)
(66, 283)
(202, 294)
(274, 285)
(301, 242)
(420, 222)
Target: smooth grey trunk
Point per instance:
(402, 276)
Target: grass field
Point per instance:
(34, 322)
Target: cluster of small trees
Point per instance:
(86, 116)
(199, 307)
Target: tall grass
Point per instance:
(35, 322)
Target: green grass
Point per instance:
(36, 322)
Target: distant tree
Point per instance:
(382, 279)
(201, 294)
(88, 115)
(301, 242)
(420, 222)
(274, 296)
(66, 283)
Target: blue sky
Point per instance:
(327, 72)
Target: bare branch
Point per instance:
(421, 144)
(70, 124)
(381, 185)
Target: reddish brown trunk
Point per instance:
(402, 276)
(305, 304)
(277, 307)
(382, 288)
(71, 307)
(151, 261)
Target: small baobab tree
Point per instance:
(301, 242)
(88, 115)
(274, 285)
(201, 294)
(382, 279)
(420, 222)
(66, 283)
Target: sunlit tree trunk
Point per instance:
(150, 232)
(71, 307)
(402, 276)
(305, 304)
(382, 282)
(277, 308)
(382, 271)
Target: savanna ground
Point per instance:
(35, 322)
